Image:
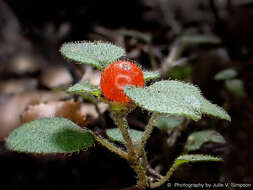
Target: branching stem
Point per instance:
(135, 162)
(120, 120)
(112, 147)
(165, 178)
(147, 132)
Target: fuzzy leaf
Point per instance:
(150, 75)
(168, 97)
(187, 158)
(174, 98)
(97, 54)
(201, 39)
(84, 87)
(168, 122)
(197, 139)
(49, 135)
(115, 134)
(225, 74)
(212, 109)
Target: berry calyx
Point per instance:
(118, 75)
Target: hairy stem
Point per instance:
(134, 161)
(144, 160)
(154, 173)
(147, 132)
(165, 178)
(112, 147)
(141, 174)
(120, 120)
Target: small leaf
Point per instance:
(235, 87)
(168, 122)
(187, 158)
(49, 135)
(84, 87)
(197, 139)
(97, 54)
(168, 97)
(150, 75)
(212, 109)
(226, 74)
(115, 134)
(201, 39)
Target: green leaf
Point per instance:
(188, 158)
(150, 75)
(200, 39)
(84, 87)
(168, 97)
(197, 139)
(235, 87)
(115, 134)
(168, 122)
(97, 54)
(174, 98)
(212, 109)
(226, 74)
(49, 135)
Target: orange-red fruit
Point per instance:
(116, 76)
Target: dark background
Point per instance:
(38, 28)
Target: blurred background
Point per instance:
(208, 43)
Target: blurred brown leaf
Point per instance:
(11, 107)
(68, 109)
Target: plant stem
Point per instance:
(141, 174)
(144, 160)
(154, 172)
(142, 164)
(112, 147)
(147, 132)
(165, 178)
(121, 122)
(134, 161)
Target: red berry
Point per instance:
(116, 76)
